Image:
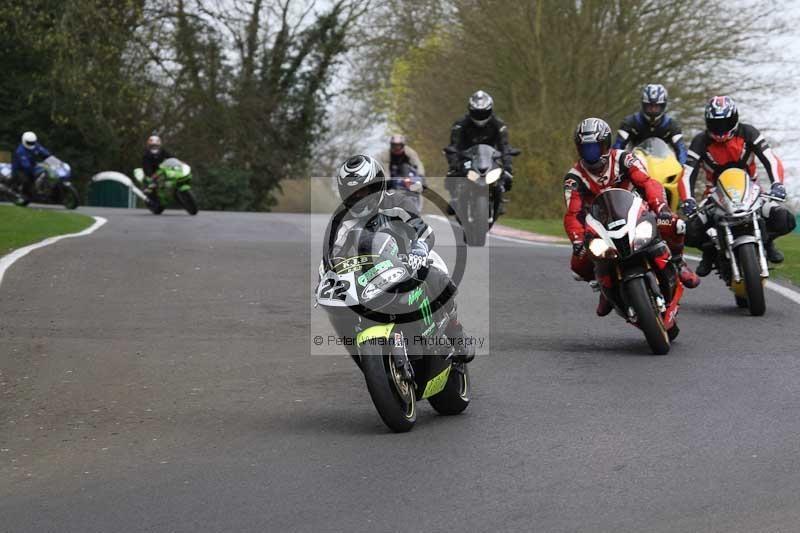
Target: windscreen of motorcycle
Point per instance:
(612, 207)
(660, 160)
(735, 191)
(481, 158)
(656, 147)
(56, 167)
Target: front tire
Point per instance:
(187, 200)
(454, 398)
(649, 319)
(751, 274)
(70, 198)
(154, 204)
(479, 226)
(394, 399)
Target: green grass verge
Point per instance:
(545, 226)
(20, 226)
(790, 268)
(789, 245)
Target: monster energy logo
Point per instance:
(414, 295)
(425, 308)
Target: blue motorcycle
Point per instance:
(52, 186)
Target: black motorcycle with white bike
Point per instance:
(477, 199)
(390, 313)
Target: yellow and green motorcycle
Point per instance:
(389, 318)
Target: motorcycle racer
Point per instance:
(652, 121)
(727, 143)
(599, 168)
(25, 165)
(367, 204)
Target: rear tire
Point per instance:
(397, 408)
(751, 274)
(186, 199)
(454, 398)
(69, 197)
(649, 319)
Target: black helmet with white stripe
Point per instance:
(593, 141)
(362, 185)
(654, 102)
(480, 107)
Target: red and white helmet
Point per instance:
(722, 118)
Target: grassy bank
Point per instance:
(20, 226)
(790, 244)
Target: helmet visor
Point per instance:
(480, 114)
(721, 126)
(364, 200)
(654, 111)
(593, 155)
(592, 152)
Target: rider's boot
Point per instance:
(464, 348)
(707, 262)
(604, 307)
(773, 254)
(688, 278)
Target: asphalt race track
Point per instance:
(157, 376)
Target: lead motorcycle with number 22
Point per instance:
(367, 288)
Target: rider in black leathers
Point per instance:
(367, 204)
(479, 126)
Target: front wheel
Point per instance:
(393, 396)
(454, 398)
(186, 199)
(478, 227)
(69, 197)
(747, 256)
(154, 203)
(648, 317)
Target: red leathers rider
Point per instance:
(600, 168)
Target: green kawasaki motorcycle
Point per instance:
(396, 336)
(173, 180)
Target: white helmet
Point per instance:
(29, 140)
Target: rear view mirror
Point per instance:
(514, 152)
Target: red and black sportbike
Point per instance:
(633, 266)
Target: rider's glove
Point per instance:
(418, 255)
(664, 217)
(578, 248)
(508, 178)
(689, 207)
(778, 190)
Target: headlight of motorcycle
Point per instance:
(600, 249)
(494, 175)
(643, 234)
(186, 169)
